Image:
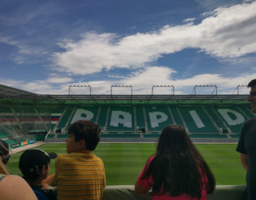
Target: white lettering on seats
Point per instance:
(196, 119)
(239, 118)
(82, 114)
(156, 121)
(116, 119)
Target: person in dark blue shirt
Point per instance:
(34, 165)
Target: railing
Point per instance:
(126, 192)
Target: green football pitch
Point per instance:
(124, 161)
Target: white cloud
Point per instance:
(189, 20)
(248, 1)
(142, 82)
(59, 80)
(228, 33)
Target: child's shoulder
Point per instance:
(97, 158)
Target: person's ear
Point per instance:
(43, 170)
(81, 144)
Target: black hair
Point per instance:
(86, 130)
(252, 83)
(176, 167)
(30, 177)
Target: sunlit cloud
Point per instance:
(142, 82)
(226, 33)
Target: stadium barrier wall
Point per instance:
(210, 140)
(126, 192)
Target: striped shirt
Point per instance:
(79, 175)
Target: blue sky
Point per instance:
(45, 46)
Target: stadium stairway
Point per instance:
(126, 192)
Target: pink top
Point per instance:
(146, 183)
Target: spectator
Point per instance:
(12, 186)
(80, 174)
(35, 167)
(4, 152)
(177, 170)
(247, 148)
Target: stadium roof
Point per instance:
(9, 95)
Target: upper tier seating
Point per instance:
(158, 117)
(121, 119)
(83, 113)
(140, 116)
(197, 120)
(103, 116)
(232, 116)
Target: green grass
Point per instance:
(124, 161)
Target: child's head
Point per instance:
(34, 163)
(83, 134)
(174, 138)
(4, 151)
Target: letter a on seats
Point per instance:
(116, 119)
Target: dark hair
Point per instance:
(252, 83)
(31, 162)
(175, 167)
(86, 130)
(33, 176)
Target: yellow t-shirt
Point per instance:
(79, 175)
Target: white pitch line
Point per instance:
(217, 163)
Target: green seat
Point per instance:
(50, 135)
(120, 135)
(62, 136)
(207, 136)
(150, 135)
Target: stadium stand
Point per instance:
(176, 115)
(102, 116)
(140, 118)
(216, 118)
(204, 116)
(197, 120)
(158, 117)
(56, 114)
(233, 118)
(10, 141)
(5, 109)
(50, 135)
(209, 135)
(64, 119)
(121, 119)
(116, 135)
(2, 135)
(23, 109)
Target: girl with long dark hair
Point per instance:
(177, 171)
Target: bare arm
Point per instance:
(15, 187)
(140, 189)
(244, 161)
(48, 179)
